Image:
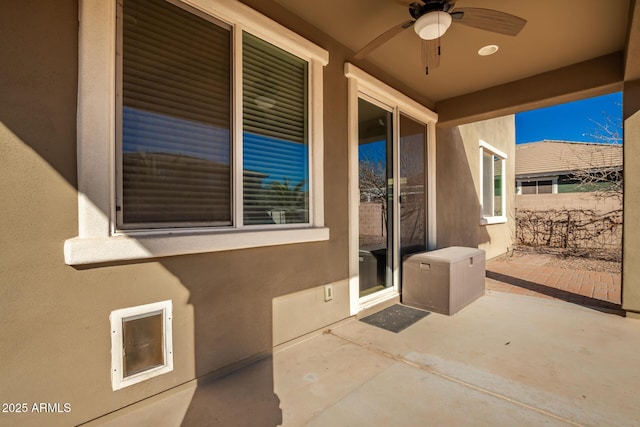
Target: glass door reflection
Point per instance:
(375, 171)
(413, 196)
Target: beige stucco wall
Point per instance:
(458, 185)
(542, 202)
(631, 239)
(228, 307)
(631, 117)
(55, 336)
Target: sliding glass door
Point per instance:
(391, 193)
(392, 217)
(376, 210)
(412, 186)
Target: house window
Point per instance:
(545, 187)
(141, 343)
(529, 187)
(176, 124)
(275, 135)
(175, 114)
(537, 186)
(199, 130)
(492, 184)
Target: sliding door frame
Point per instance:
(363, 86)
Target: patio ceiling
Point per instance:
(558, 34)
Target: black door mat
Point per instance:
(395, 318)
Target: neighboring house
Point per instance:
(181, 180)
(571, 175)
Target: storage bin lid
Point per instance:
(451, 254)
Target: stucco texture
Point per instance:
(631, 241)
(55, 331)
(458, 185)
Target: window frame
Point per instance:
(492, 219)
(99, 240)
(118, 225)
(553, 179)
(362, 85)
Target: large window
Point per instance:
(537, 186)
(194, 125)
(175, 142)
(176, 124)
(492, 184)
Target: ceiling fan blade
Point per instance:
(382, 39)
(430, 54)
(490, 20)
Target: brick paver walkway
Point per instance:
(529, 275)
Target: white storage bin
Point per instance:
(444, 281)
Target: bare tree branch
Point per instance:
(603, 172)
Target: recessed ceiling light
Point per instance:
(488, 50)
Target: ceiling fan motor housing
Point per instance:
(416, 10)
(432, 19)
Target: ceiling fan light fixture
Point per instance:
(432, 25)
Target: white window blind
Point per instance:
(176, 118)
(275, 135)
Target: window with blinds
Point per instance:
(175, 146)
(185, 164)
(545, 187)
(275, 135)
(176, 119)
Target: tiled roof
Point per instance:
(561, 156)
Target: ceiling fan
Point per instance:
(434, 17)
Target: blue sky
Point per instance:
(573, 121)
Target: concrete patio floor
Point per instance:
(505, 360)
